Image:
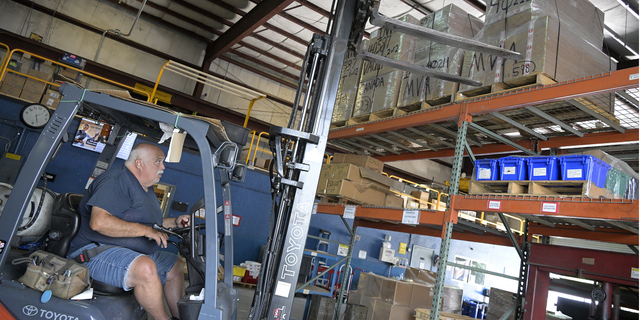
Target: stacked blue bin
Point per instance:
(584, 167)
(543, 168)
(486, 169)
(512, 168)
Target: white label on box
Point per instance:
(551, 207)
(283, 288)
(484, 173)
(509, 170)
(634, 76)
(362, 254)
(495, 205)
(574, 173)
(349, 212)
(410, 216)
(537, 172)
(635, 273)
(343, 250)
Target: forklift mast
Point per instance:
(299, 148)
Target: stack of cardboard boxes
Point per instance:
(380, 86)
(348, 86)
(392, 299)
(359, 178)
(433, 55)
(561, 39)
(25, 88)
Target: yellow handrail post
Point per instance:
(246, 119)
(155, 87)
(255, 152)
(253, 136)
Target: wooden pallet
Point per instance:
(338, 124)
(529, 81)
(421, 314)
(339, 199)
(560, 188)
(382, 114)
(244, 284)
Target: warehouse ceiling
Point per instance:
(270, 36)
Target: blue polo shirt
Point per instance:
(118, 192)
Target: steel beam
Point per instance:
(518, 125)
(553, 120)
(481, 271)
(623, 226)
(596, 115)
(402, 136)
(579, 223)
(399, 145)
(628, 97)
(502, 139)
(511, 237)
(602, 234)
(260, 14)
(432, 138)
(454, 134)
(377, 145)
(536, 219)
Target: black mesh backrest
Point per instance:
(65, 222)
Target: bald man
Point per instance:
(119, 208)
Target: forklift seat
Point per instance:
(65, 223)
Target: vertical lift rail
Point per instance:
(298, 149)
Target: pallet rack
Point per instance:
(527, 110)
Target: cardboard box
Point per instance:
(452, 300)
(51, 99)
(39, 74)
(362, 161)
(420, 276)
(369, 303)
(34, 86)
(11, 90)
(354, 297)
(421, 296)
(393, 201)
(348, 86)
(386, 311)
(71, 74)
(13, 79)
(30, 96)
(499, 302)
(355, 191)
(396, 292)
(423, 197)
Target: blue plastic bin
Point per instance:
(584, 167)
(543, 168)
(512, 168)
(486, 169)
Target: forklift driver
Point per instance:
(116, 240)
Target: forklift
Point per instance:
(298, 152)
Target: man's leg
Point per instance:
(174, 287)
(147, 288)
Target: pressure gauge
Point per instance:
(35, 116)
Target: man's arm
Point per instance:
(105, 223)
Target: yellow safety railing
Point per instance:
(6, 56)
(208, 80)
(437, 204)
(251, 148)
(5, 63)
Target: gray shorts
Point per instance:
(112, 266)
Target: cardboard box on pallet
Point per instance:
(579, 15)
(423, 197)
(421, 296)
(433, 55)
(393, 201)
(379, 85)
(348, 86)
(30, 96)
(561, 56)
(362, 161)
(10, 90)
(13, 80)
(39, 74)
(356, 191)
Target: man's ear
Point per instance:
(139, 164)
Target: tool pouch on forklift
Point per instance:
(47, 271)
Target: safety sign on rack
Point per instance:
(494, 205)
(550, 207)
(411, 217)
(349, 212)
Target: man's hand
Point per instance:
(160, 237)
(179, 222)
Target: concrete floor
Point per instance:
(245, 297)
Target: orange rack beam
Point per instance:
(606, 209)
